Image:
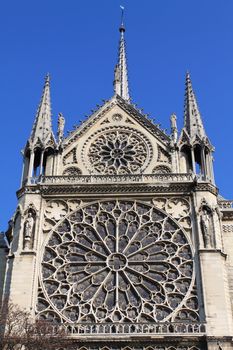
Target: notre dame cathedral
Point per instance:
(120, 233)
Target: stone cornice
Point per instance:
(212, 251)
(206, 186)
(87, 124)
(116, 189)
(28, 189)
(147, 339)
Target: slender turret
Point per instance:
(192, 117)
(38, 153)
(195, 147)
(42, 128)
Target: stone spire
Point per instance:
(42, 128)
(192, 117)
(121, 85)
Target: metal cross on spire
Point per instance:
(121, 84)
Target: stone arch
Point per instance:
(47, 166)
(72, 171)
(185, 159)
(161, 169)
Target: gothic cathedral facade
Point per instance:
(120, 233)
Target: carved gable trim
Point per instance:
(87, 124)
(129, 109)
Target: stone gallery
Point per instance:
(120, 234)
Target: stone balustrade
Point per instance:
(112, 179)
(109, 329)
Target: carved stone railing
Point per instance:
(225, 204)
(135, 329)
(113, 179)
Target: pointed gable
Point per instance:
(117, 138)
(184, 138)
(116, 134)
(100, 116)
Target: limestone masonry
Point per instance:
(120, 233)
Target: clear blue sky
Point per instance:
(76, 41)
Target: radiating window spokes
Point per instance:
(117, 151)
(118, 261)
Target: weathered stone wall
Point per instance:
(227, 229)
(3, 254)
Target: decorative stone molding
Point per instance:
(143, 121)
(128, 108)
(113, 179)
(117, 117)
(31, 208)
(161, 169)
(206, 186)
(163, 155)
(105, 121)
(129, 121)
(179, 208)
(70, 157)
(116, 189)
(57, 209)
(86, 125)
(28, 190)
(72, 171)
(136, 331)
(163, 183)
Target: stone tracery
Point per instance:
(117, 261)
(118, 151)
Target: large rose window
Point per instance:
(118, 152)
(117, 261)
